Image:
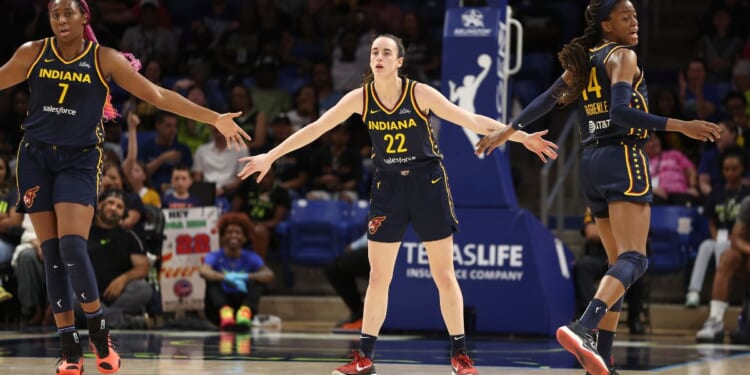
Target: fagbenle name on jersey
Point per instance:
(65, 76)
(391, 125)
(597, 108)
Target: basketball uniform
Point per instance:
(60, 156)
(614, 166)
(410, 184)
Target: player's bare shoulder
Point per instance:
(353, 101)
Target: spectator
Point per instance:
(238, 47)
(180, 196)
(163, 152)
(149, 40)
(113, 179)
(119, 262)
(735, 107)
(304, 45)
(291, 168)
(267, 96)
(12, 120)
(10, 220)
(235, 276)
(190, 132)
(252, 120)
(347, 68)
(593, 264)
(28, 264)
(146, 111)
(216, 162)
(732, 262)
(323, 83)
(422, 60)
(720, 48)
(305, 108)
(342, 273)
(721, 208)
(336, 169)
(135, 170)
(674, 180)
(709, 173)
(267, 204)
(667, 105)
(699, 100)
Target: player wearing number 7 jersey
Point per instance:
(409, 185)
(59, 160)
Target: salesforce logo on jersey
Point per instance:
(472, 23)
(473, 261)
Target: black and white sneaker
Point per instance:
(580, 341)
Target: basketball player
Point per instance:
(60, 158)
(603, 75)
(409, 185)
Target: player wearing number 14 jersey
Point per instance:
(409, 186)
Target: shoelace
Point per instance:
(356, 355)
(70, 358)
(110, 343)
(464, 360)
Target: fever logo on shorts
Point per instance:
(375, 224)
(29, 195)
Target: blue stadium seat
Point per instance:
(315, 233)
(670, 237)
(358, 216)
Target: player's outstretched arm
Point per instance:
(623, 67)
(349, 104)
(116, 66)
(14, 71)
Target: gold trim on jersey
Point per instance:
(645, 173)
(615, 48)
(365, 101)
(18, 180)
(413, 99)
(99, 172)
(68, 62)
(448, 190)
(424, 117)
(38, 57)
(99, 68)
(600, 47)
(398, 104)
(643, 100)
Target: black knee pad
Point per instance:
(630, 266)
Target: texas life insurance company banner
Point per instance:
(190, 235)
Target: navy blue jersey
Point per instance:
(401, 137)
(595, 124)
(67, 97)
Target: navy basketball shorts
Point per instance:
(419, 196)
(48, 175)
(615, 172)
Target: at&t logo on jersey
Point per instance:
(595, 126)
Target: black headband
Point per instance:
(605, 9)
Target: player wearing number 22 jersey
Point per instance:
(410, 181)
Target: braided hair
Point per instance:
(574, 55)
(109, 112)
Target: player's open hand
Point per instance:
(255, 164)
(540, 146)
(494, 140)
(231, 131)
(701, 130)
